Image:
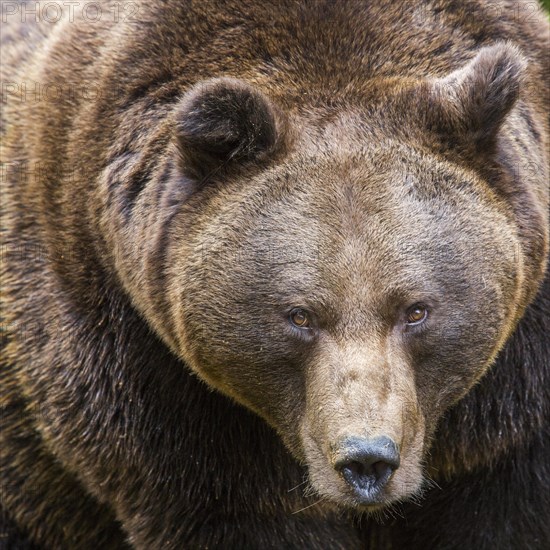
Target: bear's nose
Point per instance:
(367, 465)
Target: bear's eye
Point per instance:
(299, 318)
(416, 314)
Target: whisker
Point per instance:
(309, 506)
(309, 491)
(433, 483)
(299, 485)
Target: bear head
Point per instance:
(349, 270)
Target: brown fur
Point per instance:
(205, 168)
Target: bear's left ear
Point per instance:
(467, 107)
(222, 122)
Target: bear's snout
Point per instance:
(367, 465)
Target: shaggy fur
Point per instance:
(181, 177)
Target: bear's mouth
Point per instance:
(365, 474)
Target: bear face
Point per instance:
(328, 279)
(363, 367)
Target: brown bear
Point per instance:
(274, 275)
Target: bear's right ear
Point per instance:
(222, 122)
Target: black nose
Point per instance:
(367, 465)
